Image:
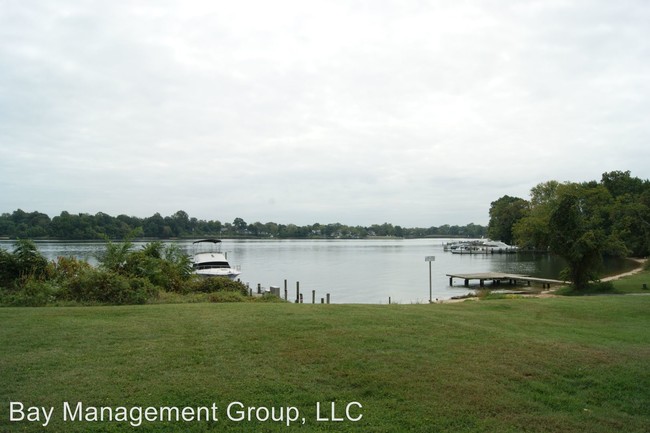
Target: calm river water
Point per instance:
(352, 271)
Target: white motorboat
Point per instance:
(498, 247)
(467, 249)
(209, 261)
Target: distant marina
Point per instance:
(479, 246)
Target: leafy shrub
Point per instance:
(594, 288)
(602, 287)
(123, 277)
(65, 268)
(29, 260)
(114, 256)
(8, 269)
(226, 297)
(166, 267)
(25, 261)
(32, 292)
(23, 275)
(101, 286)
(215, 284)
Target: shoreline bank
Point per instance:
(551, 292)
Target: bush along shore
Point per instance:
(155, 273)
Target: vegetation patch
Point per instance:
(580, 222)
(124, 276)
(594, 288)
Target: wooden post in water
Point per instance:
(313, 296)
(285, 290)
(328, 298)
(297, 292)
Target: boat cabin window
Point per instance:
(211, 265)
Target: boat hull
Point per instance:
(209, 273)
(214, 264)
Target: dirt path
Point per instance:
(638, 269)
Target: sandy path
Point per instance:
(638, 269)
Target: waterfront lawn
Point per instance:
(634, 283)
(626, 285)
(515, 365)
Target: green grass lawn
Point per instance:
(515, 365)
(634, 283)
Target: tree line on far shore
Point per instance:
(83, 226)
(580, 222)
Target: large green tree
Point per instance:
(575, 221)
(578, 233)
(630, 214)
(504, 213)
(532, 231)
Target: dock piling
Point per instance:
(297, 292)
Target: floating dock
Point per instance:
(497, 277)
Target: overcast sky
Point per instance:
(416, 113)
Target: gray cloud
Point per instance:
(409, 112)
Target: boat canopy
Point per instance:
(214, 241)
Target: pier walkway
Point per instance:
(498, 277)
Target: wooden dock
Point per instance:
(497, 277)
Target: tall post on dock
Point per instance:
(430, 259)
(297, 292)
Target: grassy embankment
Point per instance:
(520, 365)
